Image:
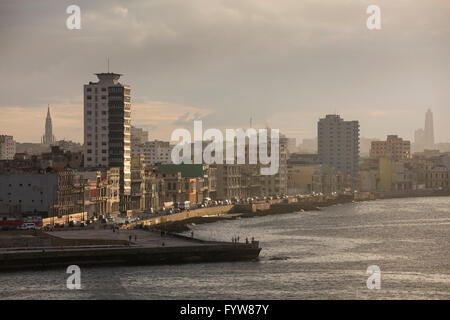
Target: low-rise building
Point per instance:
(437, 177)
(7, 147)
(154, 152)
(394, 148)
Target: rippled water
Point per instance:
(310, 255)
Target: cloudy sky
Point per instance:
(285, 63)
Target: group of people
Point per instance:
(236, 239)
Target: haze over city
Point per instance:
(283, 63)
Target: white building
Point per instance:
(155, 152)
(338, 145)
(7, 147)
(107, 112)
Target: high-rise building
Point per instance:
(138, 136)
(394, 148)
(424, 138)
(107, 112)
(276, 184)
(429, 130)
(7, 147)
(338, 145)
(419, 140)
(48, 138)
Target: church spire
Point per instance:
(48, 137)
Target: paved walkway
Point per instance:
(143, 238)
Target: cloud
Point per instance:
(284, 62)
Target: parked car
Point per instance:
(28, 226)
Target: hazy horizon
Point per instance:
(284, 64)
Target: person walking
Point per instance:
(135, 237)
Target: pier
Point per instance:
(125, 247)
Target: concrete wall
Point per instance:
(182, 216)
(32, 191)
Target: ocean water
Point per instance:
(306, 255)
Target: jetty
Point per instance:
(93, 247)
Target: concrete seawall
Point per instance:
(181, 216)
(42, 258)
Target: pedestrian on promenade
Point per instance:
(114, 230)
(238, 239)
(163, 244)
(129, 237)
(246, 240)
(135, 237)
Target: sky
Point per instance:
(283, 63)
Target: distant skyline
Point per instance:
(283, 63)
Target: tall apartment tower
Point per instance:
(48, 138)
(429, 130)
(107, 112)
(338, 145)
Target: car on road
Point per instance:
(28, 226)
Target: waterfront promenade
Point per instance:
(139, 238)
(99, 246)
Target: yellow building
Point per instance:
(300, 177)
(387, 173)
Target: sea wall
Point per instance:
(220, 210)
(128, 255)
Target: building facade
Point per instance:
(154, 152)
(394, 148)
(338, 145)
(7, 147)
(138, 136)
(107, 129)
